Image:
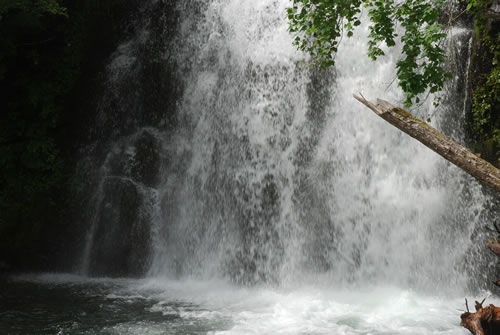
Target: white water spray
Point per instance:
(277, 174)
(272, 172)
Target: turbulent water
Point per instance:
(67, 304)
(274, 173)
(256, 196)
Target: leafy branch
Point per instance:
(319, 25)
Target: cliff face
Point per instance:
(120, 155)
(50, 57)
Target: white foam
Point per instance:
(314, 310)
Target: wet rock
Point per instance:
(137, 158)
(4, 267)
(122, 238)
(146, 164)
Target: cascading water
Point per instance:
(275, 173)
(257, 169)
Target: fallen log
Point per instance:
(457, 154)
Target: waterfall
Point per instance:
(248, 164)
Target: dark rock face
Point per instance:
(122, 238)
(137, 158)
(146, 164)
(120, 154)
(141, 81)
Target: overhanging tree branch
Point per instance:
(457, 154)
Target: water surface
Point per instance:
(67, 304)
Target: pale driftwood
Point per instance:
(433, 139)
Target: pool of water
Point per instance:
(67, 304)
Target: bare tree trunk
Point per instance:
(433, 139)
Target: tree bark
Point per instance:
(486, 321)
(457, 154)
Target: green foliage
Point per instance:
(35, 8)
(471, 4)
(485, 97)
(319, 25)
(486, 94)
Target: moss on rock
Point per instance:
(484, 84)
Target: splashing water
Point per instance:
(278, 175)
(267, 173)
(68, 304)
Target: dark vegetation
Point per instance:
(50, 54)
(484, 76)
